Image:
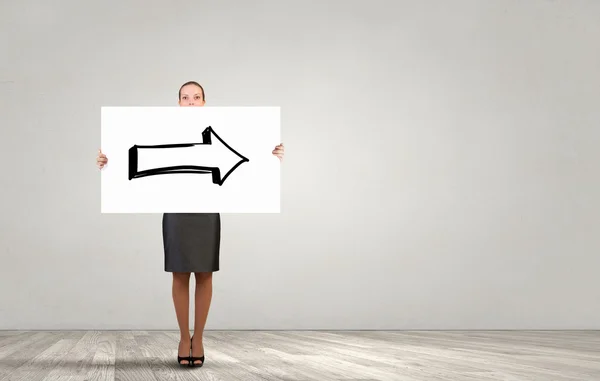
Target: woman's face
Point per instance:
(191, 96)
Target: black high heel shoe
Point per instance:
(181, 358)
(194, 359)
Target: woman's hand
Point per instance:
(278, 151)
(101, 160)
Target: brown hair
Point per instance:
(192, 83)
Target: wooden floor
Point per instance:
(318, 356)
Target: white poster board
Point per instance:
(190, 160)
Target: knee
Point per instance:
(203, 277)
(181, 277)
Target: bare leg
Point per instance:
(181, 299)
(202, 301)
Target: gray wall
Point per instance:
(441, 169)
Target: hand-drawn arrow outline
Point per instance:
(194, 169)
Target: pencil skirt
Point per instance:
(191, 242)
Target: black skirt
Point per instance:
(191, 242)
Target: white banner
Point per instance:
(190, 159)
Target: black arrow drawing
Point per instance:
(156, 157)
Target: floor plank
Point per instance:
(303, 355)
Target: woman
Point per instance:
(191, 245)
